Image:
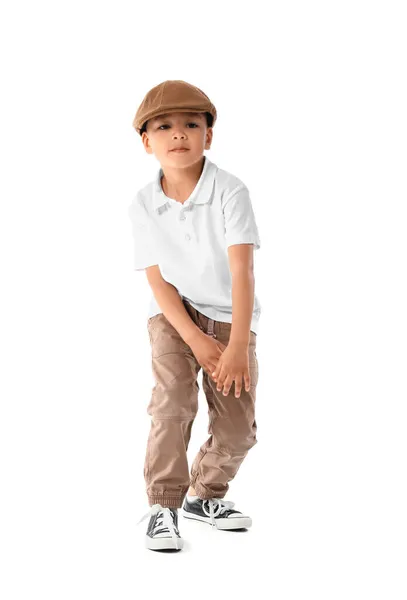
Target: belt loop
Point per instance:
(211, 332)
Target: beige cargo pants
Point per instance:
(173, 407)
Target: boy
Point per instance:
(194, 234)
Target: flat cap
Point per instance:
(173, 95)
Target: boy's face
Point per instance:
(176, 130)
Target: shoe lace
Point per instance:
(164, 520)
(217, 506)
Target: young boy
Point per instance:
(194, 234)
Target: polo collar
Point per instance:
(200, 195)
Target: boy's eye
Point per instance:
(195, 124)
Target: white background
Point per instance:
(311, 100)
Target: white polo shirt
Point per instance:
(189, 241)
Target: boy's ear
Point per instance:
(209, 135)
(144, 139)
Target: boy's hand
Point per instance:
(233, 365)
(207, 351)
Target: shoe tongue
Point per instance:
(174, 513)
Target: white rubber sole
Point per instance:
(163, 543)
(230, 523)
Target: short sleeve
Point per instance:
(240, 223)
(145, 253)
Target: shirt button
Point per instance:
(187, 236)
(182, 217)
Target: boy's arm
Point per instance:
(242, 238)
(170, 302)
(241, 268)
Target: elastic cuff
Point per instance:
(203, 493)
(166, 501)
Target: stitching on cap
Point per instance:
(162, 93)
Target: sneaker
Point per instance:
(216, 512)
(162, 530)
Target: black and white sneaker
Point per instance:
(162, 530)
(216, 512)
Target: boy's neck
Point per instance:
(179, 184)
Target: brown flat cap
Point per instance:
(173, 95)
